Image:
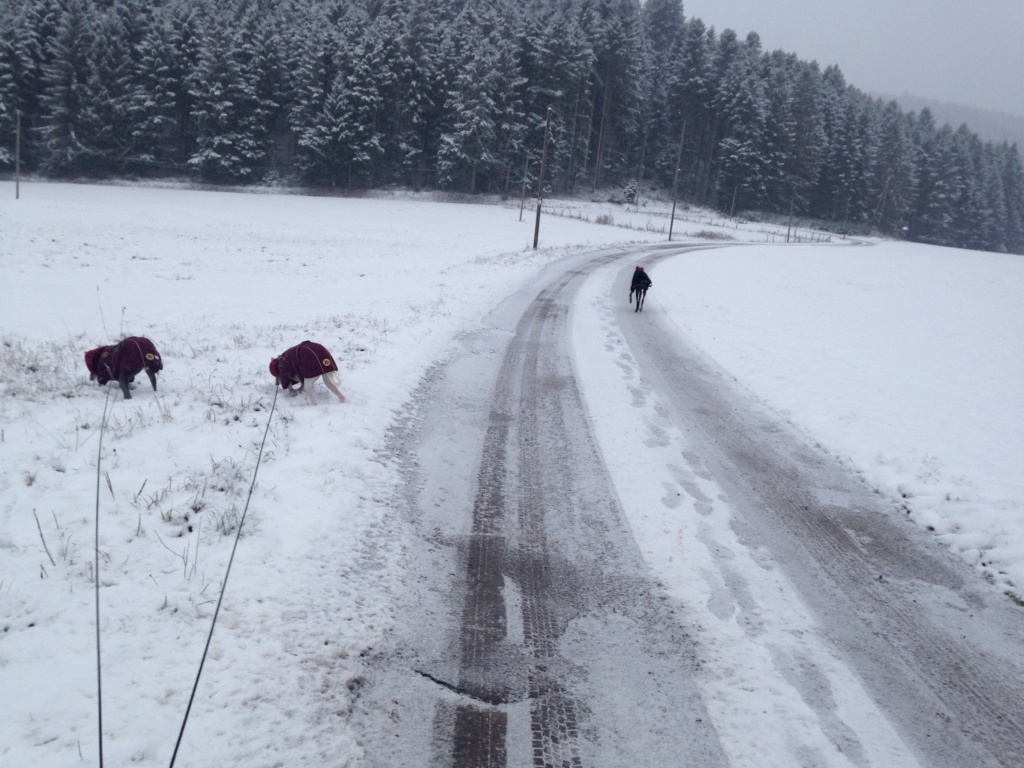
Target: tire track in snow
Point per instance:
(479, 732)
(602, 663)
(535, 634)
(938, 651)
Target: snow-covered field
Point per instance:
(906, 361)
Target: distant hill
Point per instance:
(990, 126)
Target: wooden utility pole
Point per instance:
(789, 227)
(880, 208)
(640, 174)
(601, 134)
(540, 183)
(522, 200)
(675, 181)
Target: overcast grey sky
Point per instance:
(962, 51)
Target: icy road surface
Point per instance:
(614, 558)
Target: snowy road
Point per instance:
(614, 558)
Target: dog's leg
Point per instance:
(152, 377)
(332, 385)
(123, 380)
(312, 397)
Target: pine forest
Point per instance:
(459, 95)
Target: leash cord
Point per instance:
(99, 665)
(224, 586)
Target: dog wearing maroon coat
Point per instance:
(122, 361)
(305, 363)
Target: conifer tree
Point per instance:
(457, 92)
(231, 117)
(895, 174)
(403, 89)
(664, 32)
(108, 127)
(26, 31)
(357, 112)
(1008, 161)
(468, 138)
(993, 223)
(832, 192)
(694, 92)
(421, 93)
(315, 64)
(164, 131)
(8, 94)
(938, 189)
(556, 73)
(742, 153)
(20, 72)
(795, 139)
(615, 34)
(508, 117)
(65, 99)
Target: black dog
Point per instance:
(122, 361)
(639, 285)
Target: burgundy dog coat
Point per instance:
(123, 360)
(304, 361)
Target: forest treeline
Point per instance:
(459, 94)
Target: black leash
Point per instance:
(224, 586)
(96, 574)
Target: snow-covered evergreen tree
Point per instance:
(358, 114)
(939, 185)
(25, 33)
(8, 94)
(615, 31)
(845, 176)
(695, 92)
(467, 144)
(1011, 172)
(509, 123)
(108, 119)
(664, 32)
(743, 152)
(456, 93)
(231, 117)
(557, 60)
(394, 73)
(314, 64)
(895, 173)
(795, 139)
(162, 105)
(65, 100)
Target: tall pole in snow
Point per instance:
(675, 181)
(540, 183)
(522, 200)
(17, 157)
(640, 174)
(789, 227)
